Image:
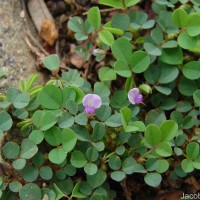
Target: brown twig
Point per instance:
(126, 192)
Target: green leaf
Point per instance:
(57, 155)
(156, 117)
(180, 17)
(187, 165)
(122, 50)
(11, 150)
(153, 179)
(19, 163)
(30, 173)
(152, 134)
(90, 168)
(53, 136)
(46, 173)
(148, 24)
(15, 186)
(129, 3)
(106, 74)
(118, 4)
(139, 61)
(76, 24)
(168, 130)
(103, 113)
(68, 94)
(59, 193)
(115, 162)
(187, 87)
(114, 30)
(30, 191)
(82, 133)
(80, 36)
(39, 159)
(81, 119)
(94, 17)
(36, 136)
(97, 179)
(99, 131)
(120, 21)
(157, 35)
(50, 97)
(12, 93)
(126, 115)
(21, 100)
(52, 62)
(79, 94)
(164, 149)
(48, 120)
(196, 97)
(119, 99)
(103, 91)
(192, 150)
(118, 176)
(128, 165)
(70, 170)
(37, 117)
(72, 78)
(5, 121)
(66, 120)
(168, 73)
(193, 25)
(163, 90)
(191, 70)
(170, 44)
(114, 120)
(162, 166)
(28, 149)
(20, 113)
(69, 139)
(92, 154)
(151, 164)
(152, 49)
(122, 68)
(76, 191)
(78, 159)
(106, 37)
(172, 56)
(187, 42)
(112, 3)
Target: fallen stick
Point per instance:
(43, 21)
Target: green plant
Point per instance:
(75, 138)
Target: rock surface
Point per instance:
(16, 61)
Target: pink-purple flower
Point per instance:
(134, 96)
(91, 102)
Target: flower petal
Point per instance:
(87, 100)
(96, 101)
(139, 98)
(134, 96)
(89, 110)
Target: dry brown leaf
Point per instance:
(175, 195)
(48, 32)
(77, 60)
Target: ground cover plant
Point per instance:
(74, 138)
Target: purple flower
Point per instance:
(91, 102)
(134, 96)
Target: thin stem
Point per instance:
(103, 10)
(148, 152)
(126, 192)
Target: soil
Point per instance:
(16, 61)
